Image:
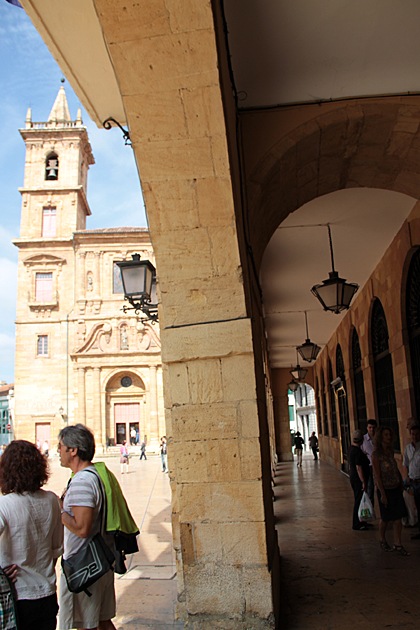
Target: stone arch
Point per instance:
(125, 397)
(371, 143)
(51, 166)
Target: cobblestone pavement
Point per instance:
(146, 594)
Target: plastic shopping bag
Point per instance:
(366, 511)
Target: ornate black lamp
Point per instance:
(292, 385)
(308, 350)
(139, 285)
(298, 373)
(335, 293)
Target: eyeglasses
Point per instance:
(60, 446)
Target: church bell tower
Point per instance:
(54, 207)
(58, 156)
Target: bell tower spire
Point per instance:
(60, 112)
(58, 156)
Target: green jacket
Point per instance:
(118, 515)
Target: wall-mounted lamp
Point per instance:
(110, 122)
(63, 414)
(308, 350)
(338, 387)
(335, 293)
(139, 285)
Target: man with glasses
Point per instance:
(81, 517)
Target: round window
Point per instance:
(126, 381)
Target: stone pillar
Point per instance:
(191, 186)
(213, 432)
(81, 395)
(280, 378)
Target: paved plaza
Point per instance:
(146, 594)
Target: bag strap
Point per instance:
(103, 505)
(102, 511)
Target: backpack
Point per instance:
(7, 603)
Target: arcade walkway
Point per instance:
(332, 577)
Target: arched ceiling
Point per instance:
(363, 224)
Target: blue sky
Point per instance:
(29, 77)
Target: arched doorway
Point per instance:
(125, 393)
(384, 374)
(358, 383)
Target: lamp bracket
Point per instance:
(147, 308)
(126, 134)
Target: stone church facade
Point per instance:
(79, 356)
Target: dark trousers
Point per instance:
(143, 455)
(357, 487)
(37, 614)
(315, 451)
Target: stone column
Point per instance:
(214, 456)
(81, 395)
(280, 379)
(221, 502)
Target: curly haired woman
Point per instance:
(31, 534)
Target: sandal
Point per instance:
(385, 547)
(400, 549)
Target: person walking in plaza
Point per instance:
(164, 453)
(313, 443)
(31, 534)
(359, 475)
(81, 517)
(389, 486)
(143, 450)
(124, 457)
(367, 447)
(298, 443)
(411, 463)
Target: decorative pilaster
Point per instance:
(81, 395)
(96, 407)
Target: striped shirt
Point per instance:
(83, 491)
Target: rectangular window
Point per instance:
(43, 287)
(42, 346)
(117, 286)
(49, 222)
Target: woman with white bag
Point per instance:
(359, 475)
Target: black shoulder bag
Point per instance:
(92, 561)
